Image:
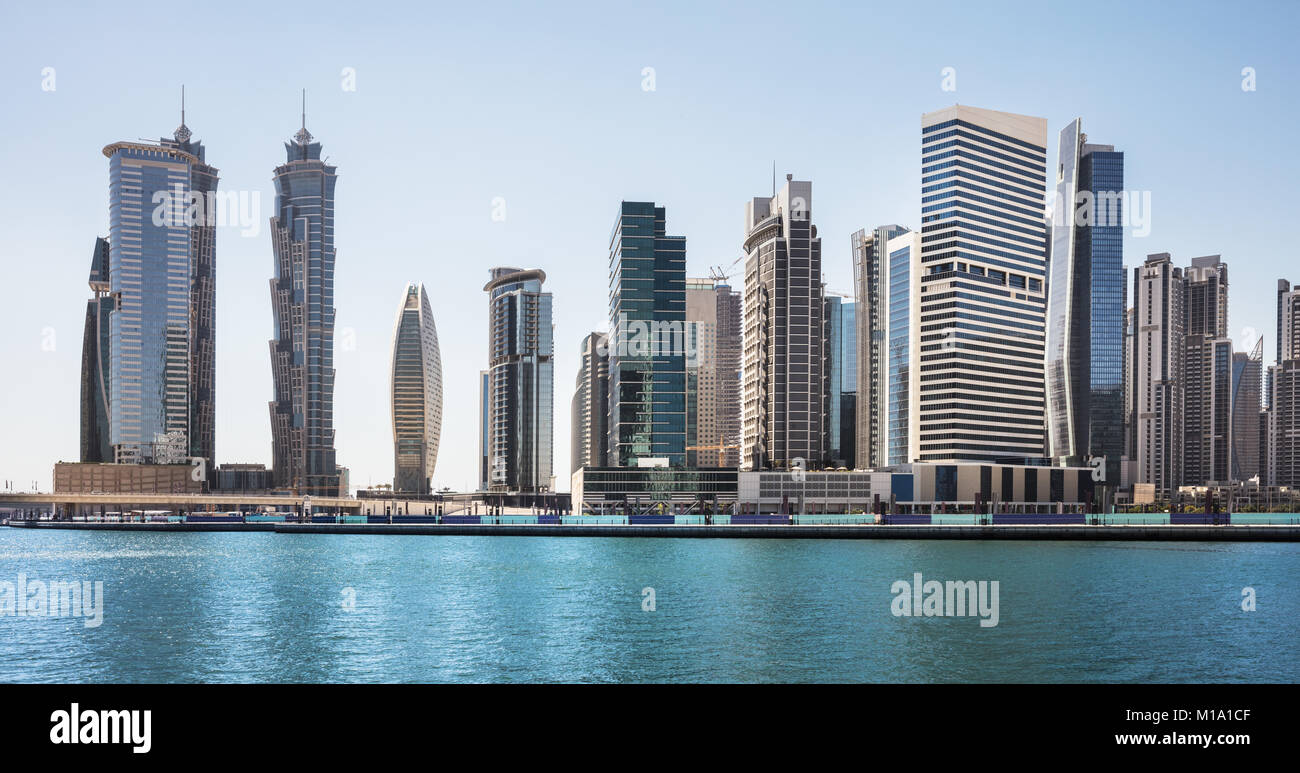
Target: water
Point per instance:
(213, 607)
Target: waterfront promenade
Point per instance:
(1113, 532)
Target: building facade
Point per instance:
(982, 286)
(712, 374)
(647, 351)
(1207, 375)
(589, 414)
(416, 383)
(1086, 306)
(302, 303)
(151, 265)
(783, 391)
(1247, 381)
(96, 366)
(520, 385)
(872, 291)
(840, 334)
(1283, 417)
(1158, 363)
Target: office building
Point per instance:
(713, 350)
(589, 414)
(1247, 380)
(783, 391)
(416, 382)
(519, 404)
(872, 291)
(647, 329)
(1158, 362)
(982, 285)
(841, 392)
(1086, 306)
(96, 366)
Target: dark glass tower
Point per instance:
(1086, 306)
(647, 322)
(95, 371)
(302, 300)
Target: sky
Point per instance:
(436, 114)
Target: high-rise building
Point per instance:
(841, 381)
(872, 290)
(783, 391)
(203, 299)
(1086, 306)
(589, 415)
(712, 374)
(521, 382)
(416, 379)
(1283, 446)
(981, 290)
(96, 366)
(1247, 378)
(153, 245)
(1207, 374)
(302, 301)
(1158, 361)
(647, 324)
(900, 392)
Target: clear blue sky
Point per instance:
(542, 104)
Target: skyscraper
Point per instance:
(1207, 374)
(871, 291)
(589, 414)
(900, 388)
(1086, 306)
(647, 323)
(1284, 384)
(841, 381)
(302, 301)
(203, 299)
(1247, 377)
(151, 264)
(783, 391)
(981, 289)
(1158, 362)
(416, 379)
(519, 418)
(712, 374)
(96, 366)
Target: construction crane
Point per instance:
(720, 274)
(721, 449)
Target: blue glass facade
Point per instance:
(647, 322)
(841, 386)
(1086, 307)
(899, 355)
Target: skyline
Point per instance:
(863, 179)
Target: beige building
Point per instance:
(79, 478)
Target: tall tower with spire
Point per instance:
(203, 298)
(302, 300)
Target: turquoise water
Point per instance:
(214, 607)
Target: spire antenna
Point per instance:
(303, 137)
(182, 133)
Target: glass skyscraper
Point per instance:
(841, 381)
(151, 265)
(96, 365)
(981, 290)
(1086, 306)
(302, 301)
(871, 293)
(519, 408)
(416, 392)
(647, 323)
